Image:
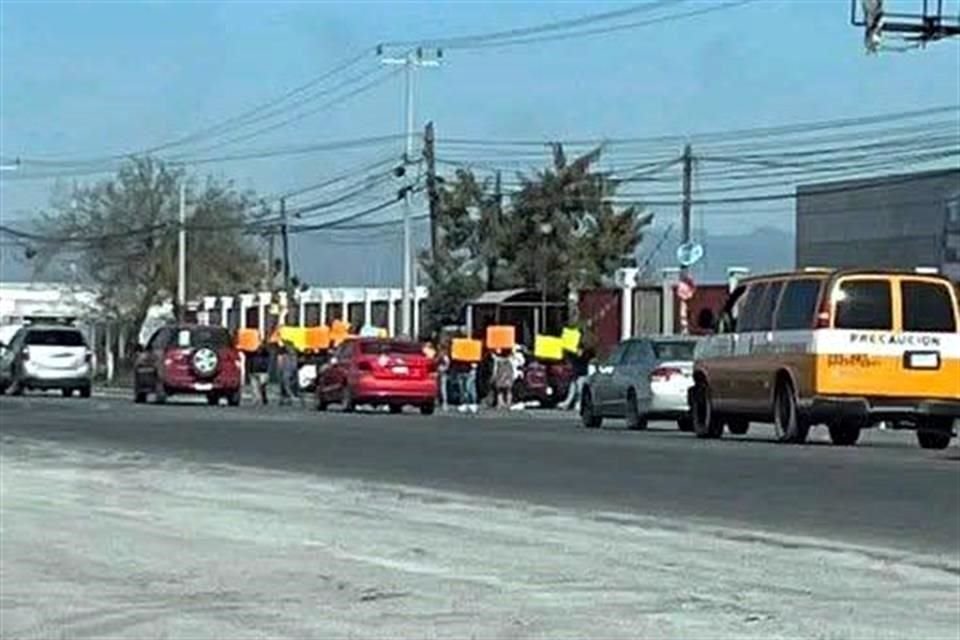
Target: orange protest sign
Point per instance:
(466, 350)
(339, 332)
(248, 340)
(318, 338)
(501, 337)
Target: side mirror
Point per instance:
(707, 320)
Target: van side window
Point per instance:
(864, 304)
(763, 321)
(927, 306)
(799, 305)
(748, 316)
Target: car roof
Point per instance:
(828, 273)
(51, 327)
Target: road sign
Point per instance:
(689, 254)
(686, 288)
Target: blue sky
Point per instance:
(88, 79)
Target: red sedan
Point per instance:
(379, 372)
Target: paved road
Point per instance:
(886, 491)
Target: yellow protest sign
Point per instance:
(548, 348)
(571, 339)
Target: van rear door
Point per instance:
(892, 336)
(929, 365)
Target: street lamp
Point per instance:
(546, 229)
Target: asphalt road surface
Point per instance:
(886, 491)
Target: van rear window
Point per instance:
(864, 304)
(927, 306)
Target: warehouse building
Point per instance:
(898, 222)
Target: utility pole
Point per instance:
(285, 244)
(685, 220)
(182, 255)
(433, 197)
(268, 276)
(411, 61)
(494, 233)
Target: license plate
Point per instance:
(203, 386)
(922, 360)
(401, 371)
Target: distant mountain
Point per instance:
(763, 249)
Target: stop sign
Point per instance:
(686, 288)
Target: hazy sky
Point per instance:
(83, 80)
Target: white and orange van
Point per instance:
(845, 348)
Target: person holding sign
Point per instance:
(503, 379)
(580, 364)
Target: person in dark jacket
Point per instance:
(258, 367)
(580, 366)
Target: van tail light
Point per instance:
(663, 374)
(823, 314)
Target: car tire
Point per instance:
(706, 424)
(160, 395)
(635, 421)
(234, 398)
(3, 388)
(349, 405)
(844, 434)
(738, 427)
(66, 393)
(934, 433)
(139, 397)
(791, 425)
(213, 399)
(428, 409)
(319, 403)
(685, 424)
(86, 391)
(588, 416)
(396, 409)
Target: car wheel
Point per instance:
(706, 424)
(588, 413)
(86, 391)
(738, 427)
(349, 405)
(396, 408)
(791, 426)
(844, 434)
(635, 421)
(935, 433)
(139, 397)
(319, 403)
(160, 394)
(213, 399)
(685, 424)
(3, 388)
(66, 393)
(235, 398)
(428, 409)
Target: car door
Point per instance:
(147, 370)
(632, 372)
(758, 376)
(601, 383)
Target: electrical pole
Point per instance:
(685, 220)
(411, 61)
(182, 255)
(494, 233)
(285, 244)
(433, 197)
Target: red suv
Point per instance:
(188, 359)
(377, 372)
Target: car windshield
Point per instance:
(391, 348)
(677, 350)
(55, 338)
